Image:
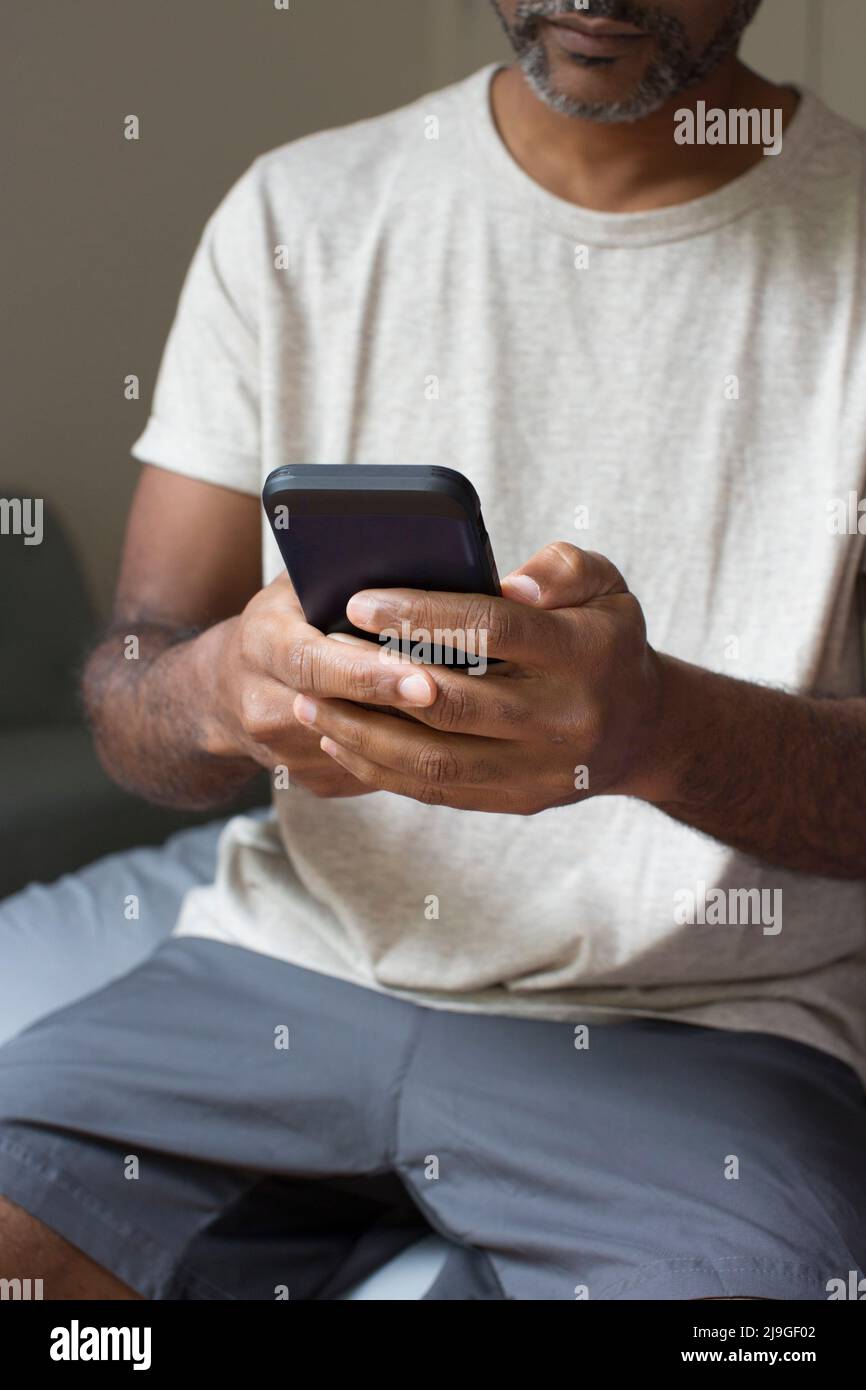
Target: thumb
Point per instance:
(561, 576)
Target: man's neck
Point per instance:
(632, 166)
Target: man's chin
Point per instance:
(577, 94)
(610, 92)
(589, 88)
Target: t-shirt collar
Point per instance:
(629, 228)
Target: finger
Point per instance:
(477, 624)
(303, 659)
(286, 648)
(280, 594)
(413, 749)
(378, 778)
(297, 656)
(497, 706)
(561, 576)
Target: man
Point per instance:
(572, 960)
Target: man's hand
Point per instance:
(210, 696)
(263, 659)
(571, 714)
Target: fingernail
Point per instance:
(360, 609)
(526, 587)
(415, 690)
(305, 710)
(328, 746)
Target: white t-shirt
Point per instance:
(695, 379)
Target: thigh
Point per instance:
(212, 1109)
(662, 1161)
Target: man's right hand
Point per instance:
(266, 657)
(218, 661)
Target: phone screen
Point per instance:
(415, 552)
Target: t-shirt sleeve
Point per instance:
(205, 418)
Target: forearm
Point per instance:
(151, 717)
(778, 776)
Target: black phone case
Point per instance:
(341, 528)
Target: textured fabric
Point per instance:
(694, 378)
(218, 1125)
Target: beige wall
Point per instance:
(104, 228)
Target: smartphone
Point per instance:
(345, 527)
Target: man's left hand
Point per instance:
(573, 712)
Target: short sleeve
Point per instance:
(205, 418)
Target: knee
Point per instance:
(35, 1262)
(23, 1239)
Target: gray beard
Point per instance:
(675, 68)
